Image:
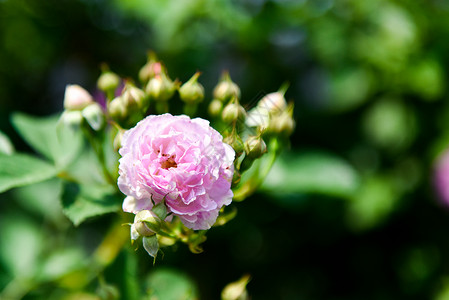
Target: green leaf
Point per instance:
(6, 146)
(60, 263)
(42, 198)
(21, 242)
(171, 284)
(21, 169)
(80, 202)
(49, 137)
(311, 172)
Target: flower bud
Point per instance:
(108, 81)
(236, 290)
(161, 88)
(258, 117)
(215, 108)
(135, 98)
(192, 91)
(94, 116)
(142, 229)
(76, 98)
(117, 109)
(151, 222)
(255, 147)
(235, 142)
(283, 123)
(233, 112)
(274, 103)
(226, 89)
(117, 143)
(150, 69)
(72, 118)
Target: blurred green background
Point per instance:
(348, 212)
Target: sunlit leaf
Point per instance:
(311, 172)
(20, 245)
(48, 137)
(22, 169)
(80, 202)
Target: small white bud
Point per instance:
(76, 97)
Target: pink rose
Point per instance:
(182, 159)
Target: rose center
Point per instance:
(169, 163)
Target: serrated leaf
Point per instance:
(80, 202)
(22, 169)
(49, 137)
(312, 172)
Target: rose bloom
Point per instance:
(181, 159)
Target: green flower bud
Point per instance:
(274, 103)
(94, 116)
(118, 109)
(255, 147)
(236, 290)
(150, 69)
(143, 230)
(135, 98)
(147, 222)
(76, 98)
(226, 89)
(161, 88)
(233, 112)
(235, 142)
(118, 140)
(283, 124)
(72, 118)
(192, 91)
(215, 108)
(108, 81)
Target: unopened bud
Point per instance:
(255, 147)
(94, 116)
(215, 108)
(134, 98)
(235, 142)
(117, 109)
(72, 118)
(150, 69)
(258, 117)
(118, 140)
(161, 88)
(236, 290)
(274, 103)
(76, 98)
(192, 91)
(226, 89)
(150, 220)
(284, 123)
(233, 112)
(108, 81)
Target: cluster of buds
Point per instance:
(79, 107)
(252, 134)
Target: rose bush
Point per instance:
(180, 159)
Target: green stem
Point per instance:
(253, 183)
(97, 147)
